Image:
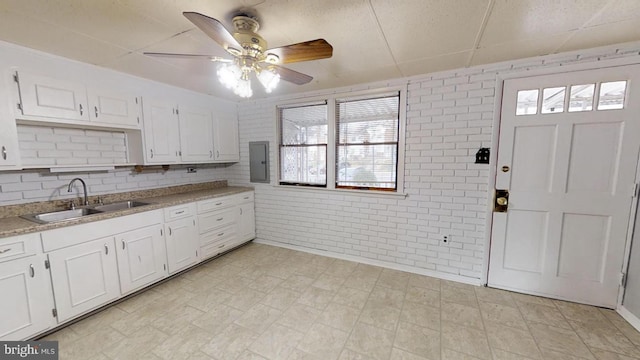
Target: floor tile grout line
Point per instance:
(526, 323)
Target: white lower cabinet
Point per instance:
(246, 218)
(225, 223)
(83, 267)
(181, 236)
(141, 257)
(26, 303)
(84, 277)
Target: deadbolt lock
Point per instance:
(501, 202)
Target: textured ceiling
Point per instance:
(372, 39)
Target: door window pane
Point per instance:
(581, 98)
(527, 102)
(612, 95)
(553, 100)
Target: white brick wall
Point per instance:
(32, 185)
(45, 146)
(449, 117)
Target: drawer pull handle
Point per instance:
(122, 244)
(220, 234)
(5, 250)
(220, 219)
(81, 111)
(4, 153)
(179, 212)
(221, 246)
(106, 249)
(218, 204)
(32, 271)
(246, 198)
(95, 108)
(169, 231)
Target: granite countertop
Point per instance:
(15, 225)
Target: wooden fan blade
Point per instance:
(304, 51)
(188, 56)
(292, 76)
(214, 29)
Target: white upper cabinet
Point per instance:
(43, 98)
(51, 98)
(225, 135)
(196, 134)
(161, 132)
(113, 107)
(9, 153)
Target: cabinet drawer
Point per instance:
(246, 197)
(216, 203)
(179, 212)
(19, 246)
(218, 235)
(216, 219)
(217, 248)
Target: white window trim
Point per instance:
(331, 134)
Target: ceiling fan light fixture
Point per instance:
(229, 75)
(269, 79)
(243, 88)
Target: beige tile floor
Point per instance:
(264, 302)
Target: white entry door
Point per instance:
(568, 152)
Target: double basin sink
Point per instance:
(64, 215)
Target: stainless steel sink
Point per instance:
(119, 206)
(56, 216)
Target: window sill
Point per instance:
(371, 193)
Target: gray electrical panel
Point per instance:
(259, 161)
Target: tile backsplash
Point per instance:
(18, 187)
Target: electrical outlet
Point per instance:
(191, 170)
(446, 238)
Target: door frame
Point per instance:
(495, 136)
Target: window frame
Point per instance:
(331, 166)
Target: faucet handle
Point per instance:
(72, 205)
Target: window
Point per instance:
(303, 145)
(367, 143)
(611, 96)
(350, 142)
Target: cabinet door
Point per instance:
(84, 277)
(26, 303)
(111, 107)
(225, 134)
(196, 134)
(9, 156)
(48, 97)
(161, 132)
(182, 243)
(141, 257)
(246, 222)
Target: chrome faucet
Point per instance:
(84, 187)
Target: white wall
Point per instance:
(450, 115)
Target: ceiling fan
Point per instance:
(250, 54)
